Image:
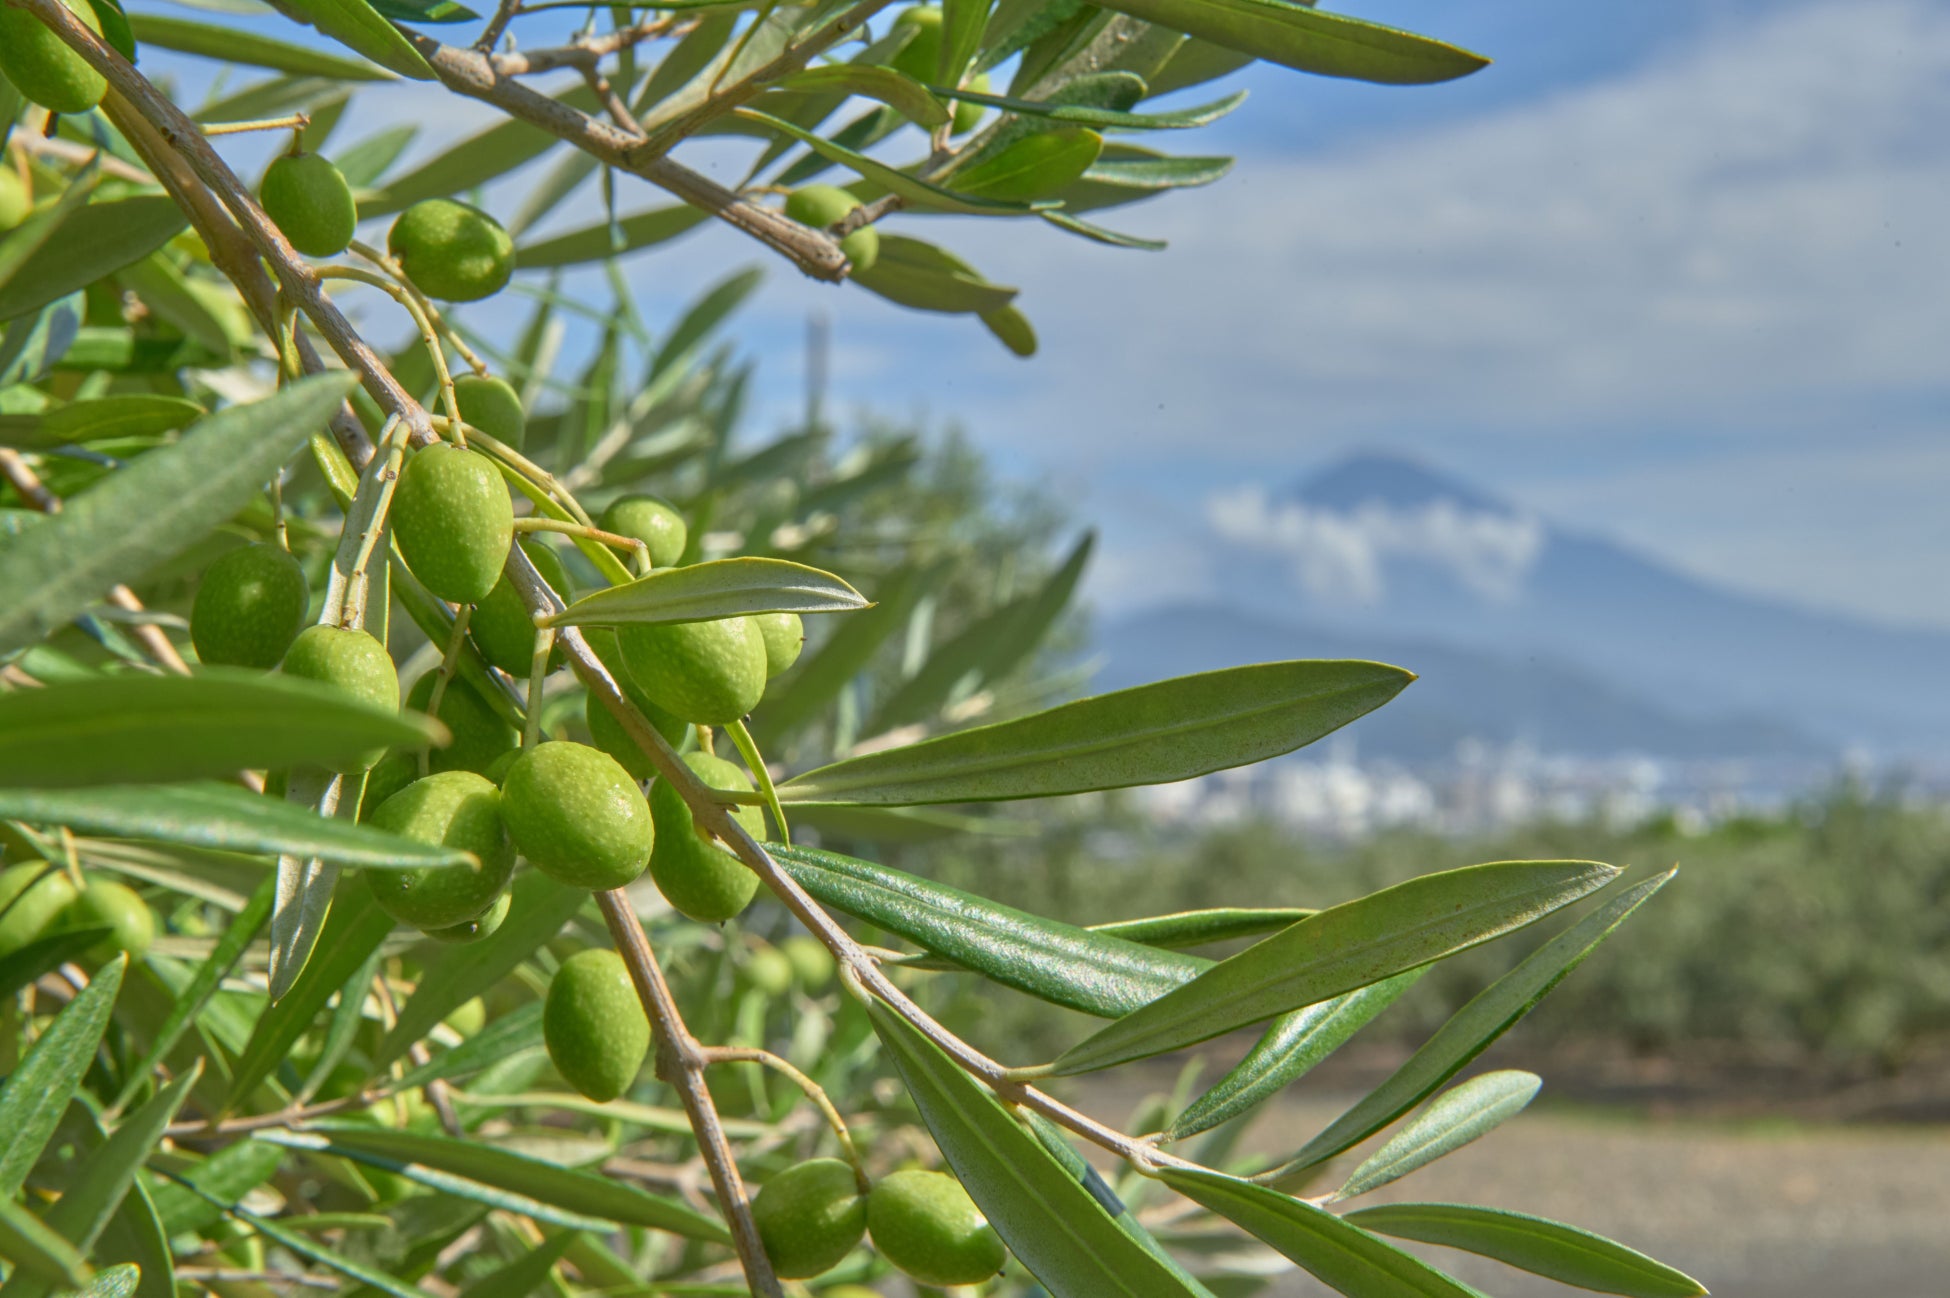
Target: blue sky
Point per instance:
(1676, 272)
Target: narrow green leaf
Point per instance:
(424, 11)
(575, 1197)
(134, 415)
(1194, 63)
(365, 162)
(1087, 115)
(305, 1248)
(221, 816)
(923, 277)
(33, 1097)
(149, 510)
(1535, 1244)
(472, 162)
(234, 45)
(920, 193)
(217, 966)
(703, 316)
(1100, 234)
(1338, 950)
(719, 588)
(138, 729)
(355, 926)
(603, 240)
(1011, 328)
(36, 1250)
(807, 690)
(1453, 1119)
(508, 1035)
(1308, 40)
(1199, 927)
(962, 24)
(1034, 167)
(1471, 1029)
(134, 1235)
(20, 244)
(1056, 962)
(33, 344)
(355, 24)
(92, 242)
(1153, 734)
(1292, 1046)
(1053, 1225)
(898, 91)
(537, 911)
(193, 1202)
(23, 965)
(1125, 174)
(115, 1282)
(1342, 1257)
(524, 1274)
(104, 1175)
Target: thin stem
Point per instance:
(631, 545)
(398, 276)
(741, 739)
(681, 1062)
(448, 660)
(295, 122)
(531, 733)
(429, 336)
(813, 1090)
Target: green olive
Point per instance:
(593, 1024)
(42, 66)
(15, 202)
(492, 405)
(920, 58)
(696, 875)
(249, 607)
(784, 636)
(823, 205)
(454, 521)
(605, 731)
(32, 895)
(120, 909)
(453, 809)
(311, 203)
(811, 961)
(502, 628)
(925, 1224)
(452, 251)
(809, 1217)
(468, 1017)
(709, 673)
(480, 733)
(577, 816)
(482, 925)
(354, 662)
(769, 970)
(653, 521)
(968, 114)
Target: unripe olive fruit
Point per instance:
(769, 971)
(311, 203)
(920, 58)
(354, 662)
(452, 251)
(820, 206)
(653, 521)
(452, 809)
(593, 1024)
(968, 114)
(249, 607)
(492, 405)
(481, 926)
(468, 1017)
(394, 772)
(811, 961)
(784, 636)
(502, 628)
(809, 1217)
(703, 880)
(454, 520)
(15, 203)
(925, 1224)
(480, 734)
(577, 816)
(104, 903)
(43, 67)
(605, 731)
(709, 673)
(31, 896)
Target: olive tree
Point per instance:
(312, 981)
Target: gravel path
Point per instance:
(1826, 1212)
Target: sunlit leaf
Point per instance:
(1034, 167)
(237, 45)
(38, 1251)
(719, 588)
(1089, 115)
(135, 415)
(1050, 1222)
(923, 277)
(1152, 734)
(921, 193)
(604, 240)
(93, 241)
(1343, 948)
(354, 24)
(1200, 927)
(34, 1095)
(1535, 1244)
(1309, 40)
(898, 91)
(1456, 1117)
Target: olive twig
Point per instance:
(428, 334)
(449, 659)
(392, 268)
(814, 1092)
(634, 546)
(294, 122)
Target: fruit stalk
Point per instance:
(681, 1062)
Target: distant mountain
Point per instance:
(1378, 550)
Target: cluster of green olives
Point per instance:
(813, 1214)
(38, 901)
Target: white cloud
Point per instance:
(1341, 555)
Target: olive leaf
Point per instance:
(1456, 1117)
(1309, 40)
(719, 588)
(35, 1094)
(1535, 1244)
(90, 241)
(231, 45)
